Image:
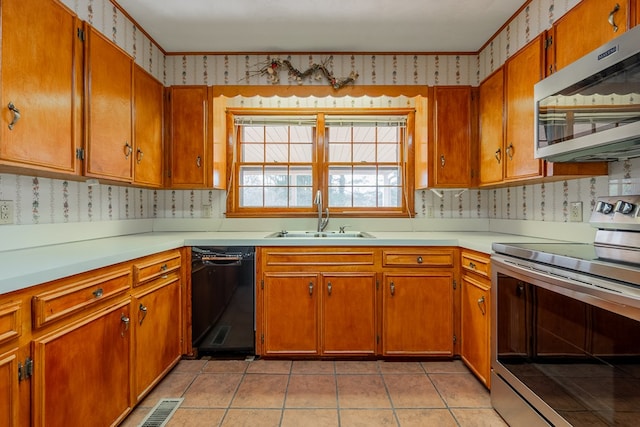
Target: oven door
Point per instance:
(567, 346)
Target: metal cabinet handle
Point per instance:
(164, 267)
(98, 293)
(510, 151)
(128, 149)
(499, 155)
(392, 287)
(310, 288)
(16, 115)
(329, 288)
(198, 161)
(139, 155)
(472, 265)
(143, 310)
(442, 160)
(612, 21)
(419, 260)
(124, 319)
(481, 304)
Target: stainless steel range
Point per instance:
(566, 325)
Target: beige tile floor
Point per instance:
(236, 393)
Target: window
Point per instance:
(358, 162)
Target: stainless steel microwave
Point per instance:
(590, 110)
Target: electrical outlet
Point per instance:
(207, 211)
(6, 212)
(575, 212)
(430, 213)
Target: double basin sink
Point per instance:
(322, 234)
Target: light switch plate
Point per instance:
(6, 212)
(575, 212)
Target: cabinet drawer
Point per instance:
(156, 266)
(317, 256)
(418, 257)
(75, 294)
(10, 321)
(476, 263)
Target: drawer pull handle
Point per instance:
(392, 287)
(472, 265)
(139, 156)
(329, 287)
(98, 293)
(143, 310)
(419, 260)
(310, 288)
(498, 155)
(612, 21)
(128, 149)
(124, 319)
(198, 161)
(16, 115)
(481, 304)
(164, 267)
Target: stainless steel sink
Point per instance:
(322, 234)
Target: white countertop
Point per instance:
(22, 268)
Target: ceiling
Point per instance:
(225, 26)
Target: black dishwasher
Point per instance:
(222, 300)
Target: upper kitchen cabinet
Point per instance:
(450, 130)
(41, 87)
(590, 24)
(491, 136)
(148, 102)
(190, 142)
(108, 109)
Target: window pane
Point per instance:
(339, 197)
(364, 153)
(301, 134)
(276, 176)
(300, 176)
(339, 176)
(300, 197)
(252, 134)
(388, 153)
(301, 153)
(364, 196)
(252, 153)
(389, 134)
(364, 176)
(251, 175)
(277, 134)
(389, 175)
(275, 196)
(339, 153)
(339, 134)
(251, 196)
(389, 197)
(364, 134)
(277, 153)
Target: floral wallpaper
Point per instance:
(42, 200)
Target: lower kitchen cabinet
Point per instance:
(417, 314)
(157, 322)
(9, 392)
(82, 371)
(475, 347)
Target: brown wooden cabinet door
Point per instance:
(156, 318)
(42, 79)
(148, 101)
(491, 107)
(290, 313)
(108, 107)
(452, 137)
(189, 136)
(348, 313)
(523, 70)
(9, 394)
(475, 326)
(82, 375)
(586, 27)
(417, 314)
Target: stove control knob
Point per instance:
(604, 207)
(624, 207)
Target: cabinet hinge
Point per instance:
(377, 284)
(25, 371)
(80, 153)
(262, 338)
(261, 283)
(455, 285)
(455, 339)
(81, 34)
(548, 42)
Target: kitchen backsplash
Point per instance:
(43, 201)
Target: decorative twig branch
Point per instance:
(273, 67)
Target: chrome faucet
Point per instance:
(322, 222)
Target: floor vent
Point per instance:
(161, 413)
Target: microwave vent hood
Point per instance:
(590, 109)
